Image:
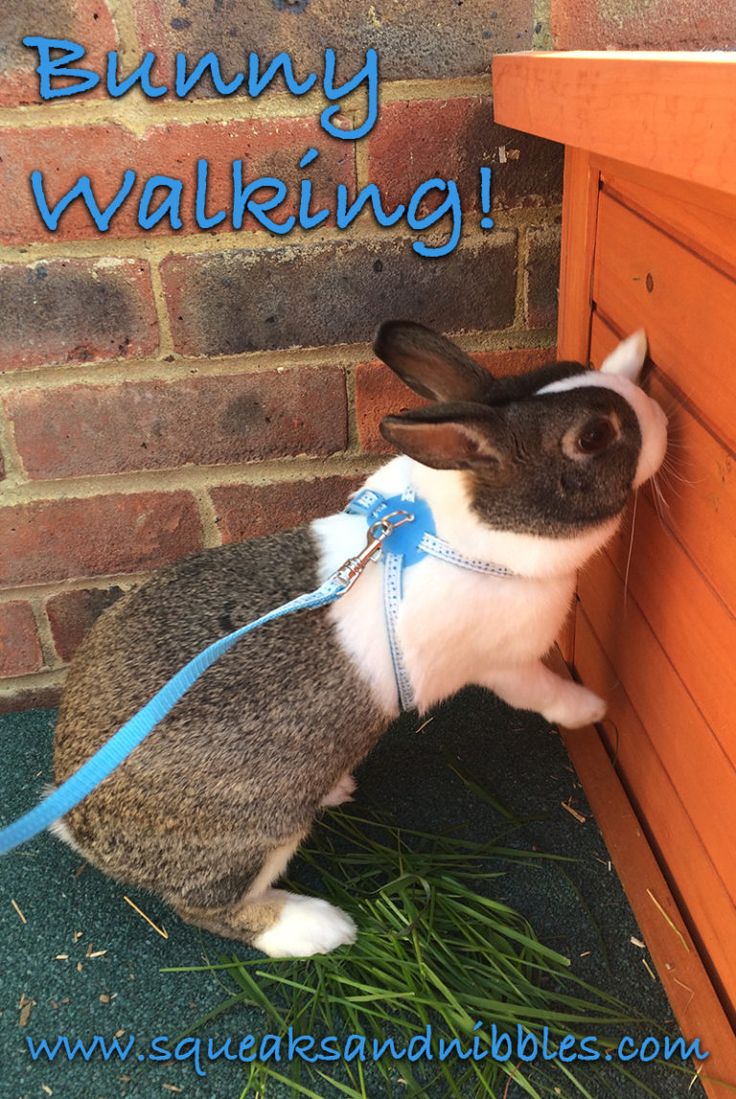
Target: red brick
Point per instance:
(379, 392)
(543, 277)
(87, 429)
(20, 648)
(675, 25)
(75, 310)
(104, 152)
(452, 139)
(71, 613)
(60, 539)
(421, 39)
(87, 22)
(248, 511)
(252, 299)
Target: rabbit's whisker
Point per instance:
(631, 548)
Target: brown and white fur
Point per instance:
(210, 808)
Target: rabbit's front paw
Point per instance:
(575, 706)
(306, 926)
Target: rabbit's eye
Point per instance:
(596, 436)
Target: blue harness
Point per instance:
(411, 540)
(401, 527)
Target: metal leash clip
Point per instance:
(378, 532)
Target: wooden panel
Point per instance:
(700, 771)
(671, 112)
(681, 970)
(690, 622)
(703, 896)
(644, 278)
(702, 219)
(700, 489)
(667, 586)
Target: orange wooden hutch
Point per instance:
(649, 240)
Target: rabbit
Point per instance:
(531, 472)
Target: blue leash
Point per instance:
(112, 753)
(390, 521)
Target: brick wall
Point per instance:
(643, 24)
(162, 392)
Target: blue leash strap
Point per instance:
(115, 750)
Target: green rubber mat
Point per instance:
(78, 960)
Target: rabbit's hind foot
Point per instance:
(305, 926)
(281, 924)
(341, 792)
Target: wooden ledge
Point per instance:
(671, 112)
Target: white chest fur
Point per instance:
(455, 627)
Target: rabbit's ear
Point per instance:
(627, 359)
(449, 436)
(429, 364)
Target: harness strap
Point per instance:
(421, 539)
(393, 574)
(407, 546)
(443, 551)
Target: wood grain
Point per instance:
(690, 622)
(679, 209)
(678, 963)
(671, 112)
(702, 896)
(695, 760)
(643, 278)
(699, 483)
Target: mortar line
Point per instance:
(185, 479)
(522, 280)
(542, 37)
(138, 114)
(208, 518)
(13, 685)
(137, 111)
(165, 334)
(353, 443)
(49, 588)
(116, 371)
(362, 230)
(8, 452)
(130, 49)
(51, 658)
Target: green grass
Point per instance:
(435, 949)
